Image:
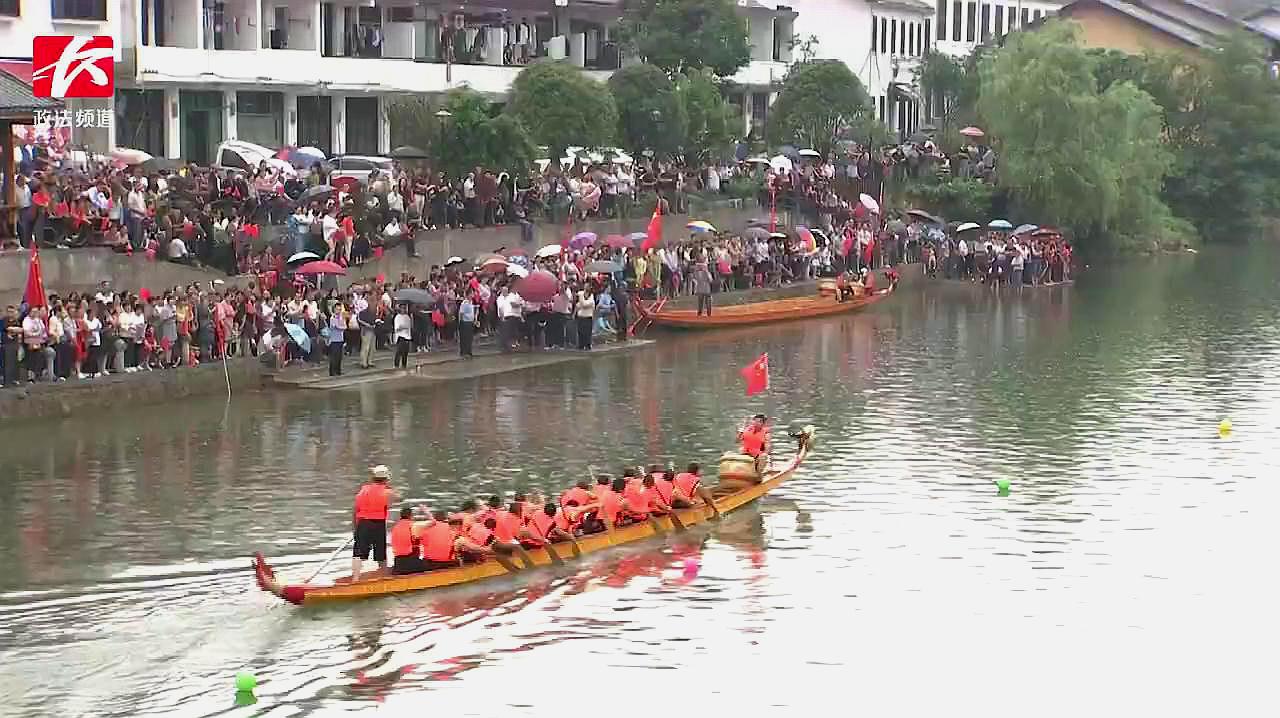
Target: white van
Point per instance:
(247, 157)
(358, 167)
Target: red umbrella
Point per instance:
(320, 267)
(617, 241)
(540, 286)
(346, 184)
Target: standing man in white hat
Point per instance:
(369, 523)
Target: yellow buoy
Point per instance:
(1224, 427)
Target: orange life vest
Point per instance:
(437, 542)
(665, 490)
(582, 496)
(479, 534)
(610, 506)
(508, 526)
(634, 492)
(371, 502)
(566, 523)
(403, 542)
(753, 440)
(687, 483)
(540, 525)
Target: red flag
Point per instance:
(35, 296)
(757, 375)
(654, 232)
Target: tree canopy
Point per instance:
(650, 114)
(710, 120)
(819, 100)
(472, 136)
(1071, 155)
(562, 107)
(678, 35)
(954, 86)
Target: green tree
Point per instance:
(819, 101)
(650, 114)
(1227, 177)
(561, 107)
(710, 120)
(677, 35)
(1068, 154)
(472, 136)
(954, 86)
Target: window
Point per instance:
(874, 26)
(956, 12)
(348, 164)
(227, 158)
(79, 9)
(880, 101)
(11, 8)
(260, 117)
(893, 35)
(928, 36)
(984, 30)
(942, 19)
(911, 38)
(1036, 15)
(400, 13)
(999, 30)
(970, 21)
(902, 40)
(884, 34)
(1026, 18)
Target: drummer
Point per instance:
(369, 521)
(755, 440)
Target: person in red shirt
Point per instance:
(657, 497)
(369, 521)
(580, 493)
(688, 485)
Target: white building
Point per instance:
(962, 25)
(22, 20)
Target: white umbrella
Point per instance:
(303, 255)
(757, 161)
(780, 163)
(129, 156)
(870, 203)
(551, 250)
(315, 152)
(516, 270)
(454, 260)
(968, 226)
(810, 153)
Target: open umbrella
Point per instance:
(314, 193)
(617, 241)
(1024, 228)
(603, 266)
(972, 132)
(129, 156)
(454, 260)
(302, 256)
(757, 161)
(414, 296)
(781, 163)
(321, 267)
(516, 270)
(777, 235)
(968, 226)
(754, 233)
(540, 286)
(921, 214)
(869, 202)
(999, 224)
(638, 236)
(1046, 232)
(408, 152)
(517, 252)
(699, 225)
(299, 337)
(496, 265)
(582, 240)
(160, 164)
(757, 222)
(551, 250)
(810, 153)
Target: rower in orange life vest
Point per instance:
(542, 529)
(688, 484)
(369, 521)
(406, 541)
(755, 439)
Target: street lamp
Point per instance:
(443, 116)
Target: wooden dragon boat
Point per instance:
(774, 310)
(737, 488)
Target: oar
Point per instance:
(675, 519)
(555, 557)
(332, 556)
(518, 550)
(577, 549)
(505, 562)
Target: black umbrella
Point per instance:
(158, 164)
(316, 192)
(921, 214)
(414, 296)
(408, 152)
(754, 233)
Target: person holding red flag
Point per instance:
(756, 375)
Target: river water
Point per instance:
(1128, 571)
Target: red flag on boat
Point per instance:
(757, 375)
(654, 233)
(35, 295)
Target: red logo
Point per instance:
(73, 66)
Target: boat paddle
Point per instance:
(555, 557)
(505, 562)
(345, 545)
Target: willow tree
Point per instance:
(1069, 154)
(819, 100)
(561, 106)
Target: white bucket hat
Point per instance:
(380, 471)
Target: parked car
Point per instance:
(247, 157)
(357, 167)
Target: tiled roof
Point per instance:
(16, 98)
(1167, 25)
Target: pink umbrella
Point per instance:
(582, 240)
(540, 286)
(320, 267)
(617, 241)
(972, 132)
(494, 265)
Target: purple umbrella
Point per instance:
(582, 240)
